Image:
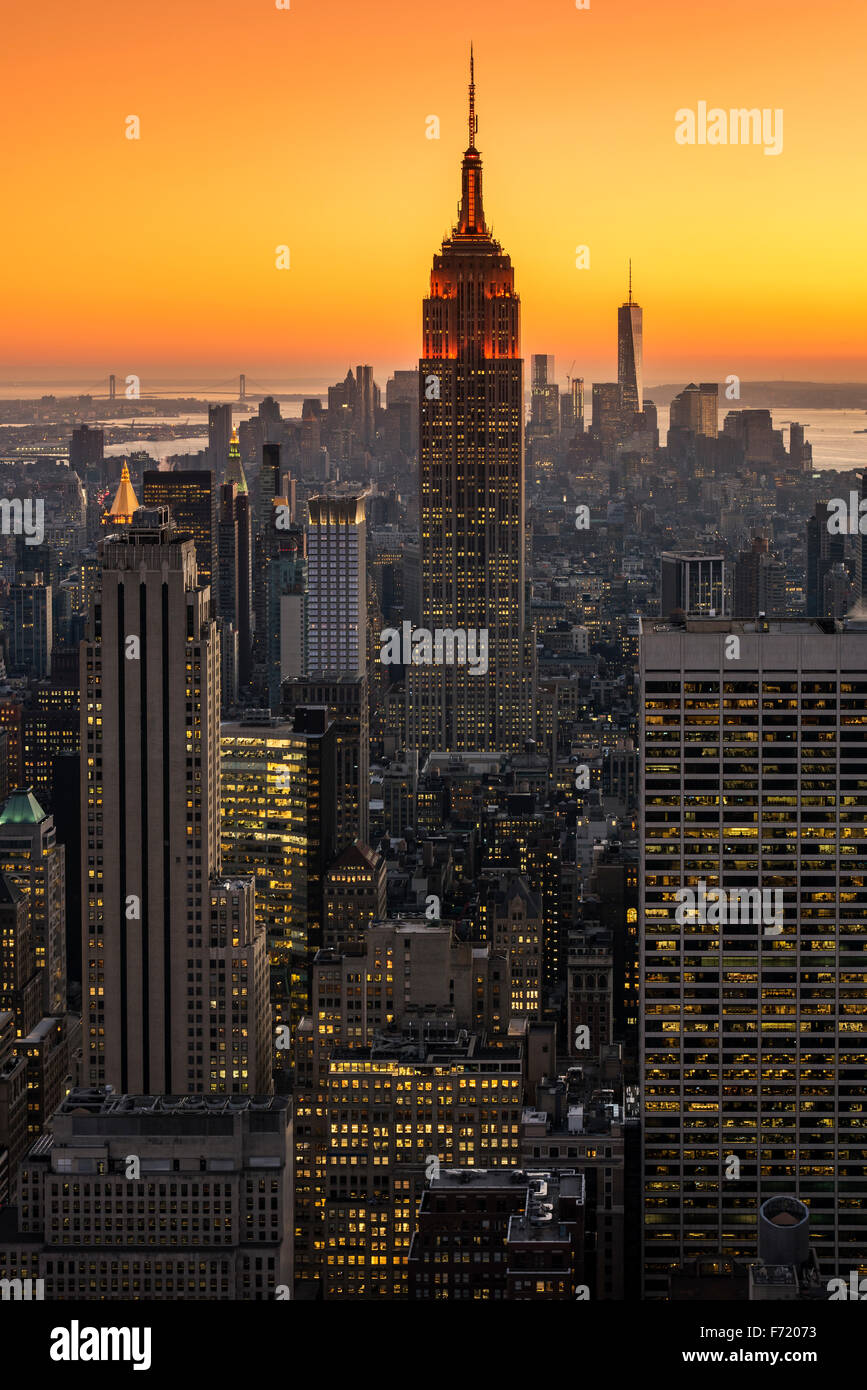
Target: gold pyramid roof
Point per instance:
(125, 503)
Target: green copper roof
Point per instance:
(22, 808)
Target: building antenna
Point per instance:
(473, 126)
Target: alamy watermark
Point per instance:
(444, 646)
(847, 519)
(25, 518)
(725, 906)
(738, 126)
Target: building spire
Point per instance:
(473, 126)
(472, 217)
(630, 279)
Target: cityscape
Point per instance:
(433, 811)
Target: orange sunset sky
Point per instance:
(306, 127)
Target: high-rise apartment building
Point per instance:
(471, 488)
(629, 352)
(753, 934)
(32, 859)
(175, 987)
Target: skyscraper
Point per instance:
(696, 409)
(629, 363)
(753, 1030)
(32, 628)
(86, 449)
(175, 988)
(190, 498)
(219, 435)
(337, 586)
(31, 858)
(692, 584)
(544, 394)
(471, 486)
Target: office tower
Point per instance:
(401, 390)
(607, 410)
(337, 585)
(191, 500)
(20, 977)
(754, 1009)
(86, 449)
(759, 584)
(32, 630)
(544, 395)
(175, 993)
(471, 487)
(224, 593)
(345, 698)
(366, 401)
(692, 584)
(234, 466)
(31, 858)
(245, 581)
(51, 726)
(407, 988)
(14, 1136)
(316, 732)
(219, 435)
(629, 352)
(754, 431)
(271, 421)
(800, 452)
(125, 504)
(696, 409)
(453, 1100)
(354, 895)
(824, 551)
(209, 1218)
(269, 483)
(263, 832)
(504, 1236)
(284, 593)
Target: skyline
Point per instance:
(283, 164)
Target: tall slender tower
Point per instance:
(175, 984)
(471, 486)
(629, 320)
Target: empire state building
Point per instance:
(471, 488)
